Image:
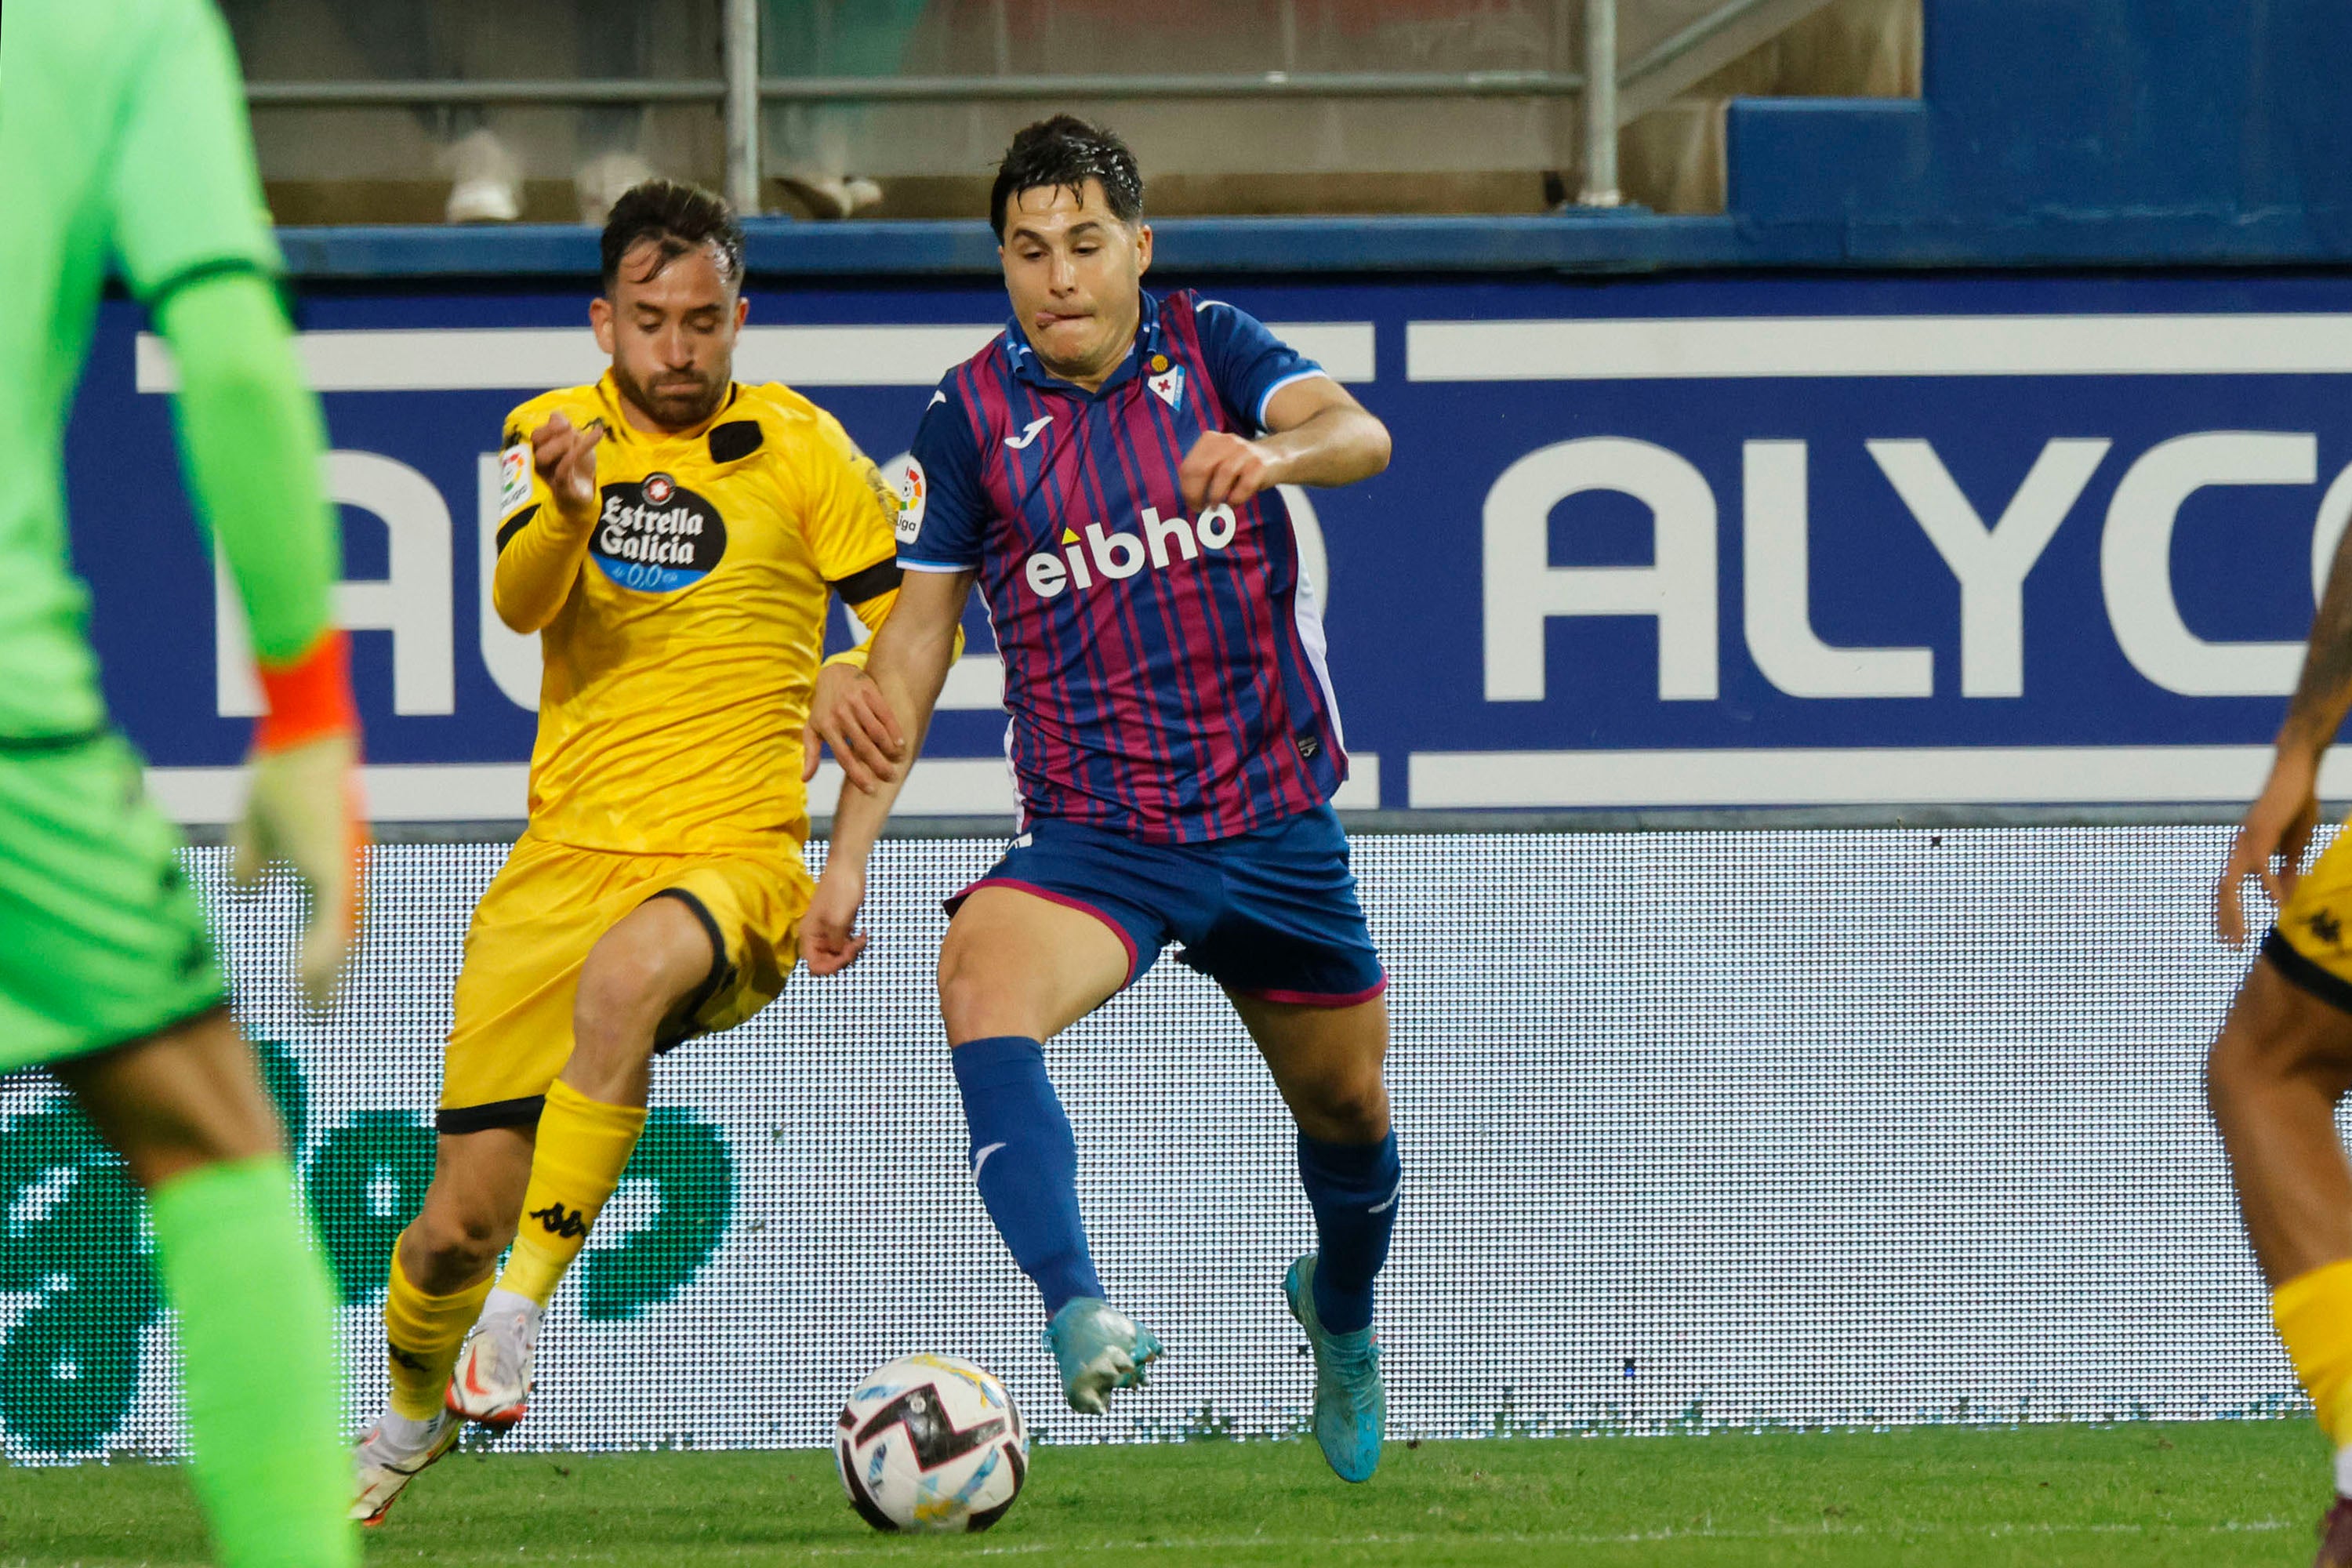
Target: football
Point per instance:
(932, 1443)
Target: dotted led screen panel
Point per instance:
(1698, 1128)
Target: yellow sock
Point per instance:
(423, 1333)
(584, 1146)
(2314, 1313)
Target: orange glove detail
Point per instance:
(304, 806)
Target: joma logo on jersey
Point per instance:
(1112, 556)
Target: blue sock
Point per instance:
(1353, 1189)
(1025, 1160)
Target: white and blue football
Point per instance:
(932, 1443)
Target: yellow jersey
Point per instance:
(683, 628)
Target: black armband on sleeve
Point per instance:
(514, 525)
(869, 583)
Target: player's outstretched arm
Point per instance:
(1318, 435)
(908, 663)
(2279, 824)
(849, 716)
(251, 435)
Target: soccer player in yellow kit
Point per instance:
(2282, 1064)
(675, 536)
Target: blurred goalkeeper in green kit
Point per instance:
(123, 135)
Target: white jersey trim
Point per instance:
(1268, 395)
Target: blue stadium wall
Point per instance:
(1795, 666)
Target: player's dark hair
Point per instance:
(1064, 154)
(680, 219)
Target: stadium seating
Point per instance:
(388, 163)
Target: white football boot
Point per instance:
(493, 1382)
(382, 1467)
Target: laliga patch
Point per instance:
(1168, 385)
(913, 488)
(656, 536)
(514, 478)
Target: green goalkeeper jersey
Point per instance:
(123, 138)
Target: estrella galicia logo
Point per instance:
(656, 536)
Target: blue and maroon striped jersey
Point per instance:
(1165, 673)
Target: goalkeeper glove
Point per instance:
(304, 803)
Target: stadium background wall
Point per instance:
(1797, 911)
(1763, 1127)
(1694, 542)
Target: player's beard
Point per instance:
(674, 403)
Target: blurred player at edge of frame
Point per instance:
(1173, 735)
(674, 537)
(122, 133)
(2284, 1058)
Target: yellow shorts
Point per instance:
(511, 1031)
(2312, 943)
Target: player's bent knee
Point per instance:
(461, 1228)
(1345, 1104)
(974, 1001)
(2246, 1061)
(186, 1097)
(447, 1253)
(1346, 1111)
(465, 1229)
(970, 1011)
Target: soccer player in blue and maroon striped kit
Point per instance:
(1105, 471)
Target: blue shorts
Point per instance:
(1270, 914)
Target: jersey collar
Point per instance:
(1025, 367)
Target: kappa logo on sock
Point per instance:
(570, 1224)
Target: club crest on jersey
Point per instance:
(656, 536)
(912, 490)
(1168, 385)
(1112, 556)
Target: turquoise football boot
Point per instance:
(1099, 1348)
(1351, 1404)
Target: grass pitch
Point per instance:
(2210, 1494)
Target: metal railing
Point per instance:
(741, 91)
